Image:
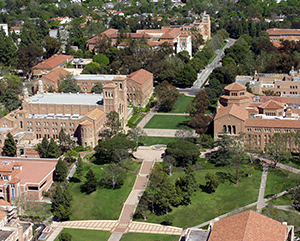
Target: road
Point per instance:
(204, 74)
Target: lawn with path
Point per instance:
(204, 206)
(167, 122)
(181, 104)
(103, 204)
(148, 237)
(86, 235)
(280, 180)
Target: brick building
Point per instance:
(54, 62)
(82, 116)
(25, 176)
(277, 34)
(259, 117)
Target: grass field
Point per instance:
(153, 140)
(148, 237)
(204, 206)
(279, 180)
(86, 235)
(283, 200)
(102, 204)
(167, 122)
(181, 104)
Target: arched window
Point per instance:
(21, 124)
(229, 129)
(224, 128)
(233, 129)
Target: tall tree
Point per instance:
(90, 184)
(114, 176)
(197, 108)
(98, 88)
(79, 168)
(137, 134)
(10, 146)
(212, 182)
(65, 141)
(53, 149)
(61, 202)
(113, 122)
(61, 171)
(167, 95)
(170, 162)
(42, 147)
(68, 84)
(51, 45)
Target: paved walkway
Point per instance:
(261, 200)
(54, 234)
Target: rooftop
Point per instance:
(53, 61)
(247, 226)
(140, 76)
(98, 77)
(68, 99)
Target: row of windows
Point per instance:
(47, 124)
(129, 88)
(229, 129)
(269, 130)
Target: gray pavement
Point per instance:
(261, 201)
(162, 132)
(55, 233)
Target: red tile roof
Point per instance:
(140, 76)
(278, 31)
(171, 34)
(235, 86)
(55, 75)
(273, 123)
(271, 104)
(234, 110)
(107, 32)
(53, 61)
(286, 100)
(248, 226)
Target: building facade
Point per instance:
(258, 117)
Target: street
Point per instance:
(204, 74)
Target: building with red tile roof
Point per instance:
(54, 62)
(259, 117)
(51, 79)
(248, 226)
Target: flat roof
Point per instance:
(64, 98)
(98, 77)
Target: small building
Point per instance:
(52, 63)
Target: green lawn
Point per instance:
(212, 58)
(86, 235)
(279, 180)
(104, 203)
(283, 200)
(224, 44)
(167, 121)
(148, 237)
(204, 206)
(181, 104)
(153, 140)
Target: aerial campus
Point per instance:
(149, 120)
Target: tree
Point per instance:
(90, 184)
(53, 149)
(169, 161)
(105, 151)
(11, 100)
(42, 147)
(68, 84)
(113, 122)
(61, 171)
(212, 182)
(184, 56)
(28, 57)
(186, 77)
(97, 88)
(187, 183)
(183, 152)
(167, 95)
(198, 119)
(276, 149)
(137, 134)
(65, 237)
(65, 142)
(114, 176)
(61, 202)
(103, 43)
(101, 59)
(79, 168)
(51, 45)
(184, 133)
(10, 146)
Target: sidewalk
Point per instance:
(261, 200)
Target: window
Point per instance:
(267, 130)
(257, 129)
(277, 130)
